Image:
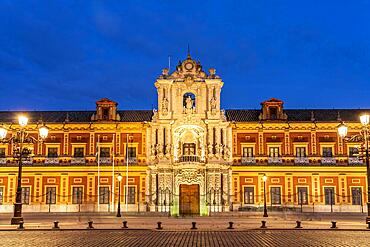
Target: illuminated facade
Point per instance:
(187, 157)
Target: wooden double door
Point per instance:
(189, 199)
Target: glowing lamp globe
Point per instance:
(264, 178)
(119, 177)
(365, 119)
(342, 130)
(43, 131)
(3, 132)
(22, 120)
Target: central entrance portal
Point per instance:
(189, 199)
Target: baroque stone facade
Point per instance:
(187, 157)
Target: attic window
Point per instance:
(105, 114)
(273, 112)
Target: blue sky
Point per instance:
(65, 55)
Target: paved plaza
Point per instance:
(211, 231)
(185, 238)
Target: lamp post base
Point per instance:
(16, 220)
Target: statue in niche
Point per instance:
(227, 152)
(168, 149)
(210, 149)
(213, 104)
(165, 106)
(152, 150)
(189, 103)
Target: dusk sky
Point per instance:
(65, 55)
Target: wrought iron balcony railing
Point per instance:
(131, 160)
(301, 160)
(27, 161)
(105, 160)
(189, 158)
(355, 161)
(248, 160)
(78, 160)
(51, 160)
(275, 160)
(328, 160)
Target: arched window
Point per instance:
(188, 100)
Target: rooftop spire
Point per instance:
(189, 51)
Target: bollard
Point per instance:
(194, 227)
(263, 224)
(298, 224)
(231, 225)
(124, 225)
(90, 224)
(333, 225)
(56, 225)
(159, 225)
(21, 227)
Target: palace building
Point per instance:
(187, 157)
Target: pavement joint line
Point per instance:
(184, 230)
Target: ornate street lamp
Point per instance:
(119, 177)
(20, 138)
(363, 137)
(264, 196)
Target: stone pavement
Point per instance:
(241, 221)
(184, 238)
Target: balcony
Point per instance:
(355, 161)
(248, 160)
(131, 160)
(328, 160)
(275, 160)
(189, 158)
(105, 160)
(27, 161)
(51, 160)
(301, 161)
(78, 160)
(2, 161)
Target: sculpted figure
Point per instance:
(189, 103)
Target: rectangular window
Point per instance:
(131, 151)
(329, 196)
(78, 152)
(25, 195)
(353, 152)
(356, 196)
(105, 152)
(77, 195)
(300, 152)
(130, 195)
(52, 152)
(327, 152)
(275, 195)
(1, 195)
(247, 152)
(274, 152)
(51, 195)
(302, 195)
(248, 195)
(2, 152)
(104, 195)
